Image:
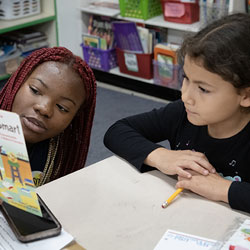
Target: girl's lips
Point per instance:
(190, 112)
(34, 124)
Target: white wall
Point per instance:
(70, 25)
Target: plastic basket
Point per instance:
(10, 63)
(167, 75)
(141, 9)
(136, 64)
(13, 9)
(100, 59)
(181, 12)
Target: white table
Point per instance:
(110, 205)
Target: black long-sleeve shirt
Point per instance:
(133, 138)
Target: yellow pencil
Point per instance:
(169, 200)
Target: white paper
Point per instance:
(240, 238)
(179, 241)
(8, 241)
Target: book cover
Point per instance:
(144, 37)
(91, 41)
(16, 182)
(101, 27)
(127, 37)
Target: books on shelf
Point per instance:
(100, 33)
(26, 36)
(166, 53)
(26, 40)
(136, 37)
(127, 36)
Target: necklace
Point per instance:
(53, 146)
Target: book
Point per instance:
(144, 37)
(166, 60)
(16, 183)
(25, 36)
(91, 41)
(33, 46)
(100, 26)
(166, 51)
(127, 36)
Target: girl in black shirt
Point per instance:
(209, 128)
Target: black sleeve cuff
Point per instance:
(239, 196)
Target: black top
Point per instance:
(38, 155)
(133, 138)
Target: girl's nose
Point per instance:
(187, 94)
(45, 108)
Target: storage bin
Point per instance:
(135, 64)
(13, 9)
(142, 9)
(10, 63)
(167, 75)
(180, 11)
(100, 59)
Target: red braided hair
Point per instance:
(74, 141)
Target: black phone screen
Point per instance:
(28, 223)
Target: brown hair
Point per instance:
(223, 48)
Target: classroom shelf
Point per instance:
(117, 72)
(100, 11)
(11, 25)
(159, 21)
(46, 21)
(176, 33)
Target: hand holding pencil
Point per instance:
(169, 200)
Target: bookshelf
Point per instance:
(176, 34)
(45, 21)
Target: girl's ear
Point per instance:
(245, 100)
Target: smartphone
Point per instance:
(29, 227)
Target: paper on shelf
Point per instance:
(179, 241)
(8, 241)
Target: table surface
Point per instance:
(110, 205)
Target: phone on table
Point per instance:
(29, 227)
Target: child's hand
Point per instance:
(173, 162)
(212, 186)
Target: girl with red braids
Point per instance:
(54, 93)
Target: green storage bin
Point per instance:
(141, 9)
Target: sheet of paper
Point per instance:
(240, 238)
(179, 241)
(8, 241)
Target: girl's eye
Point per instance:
(203, 90)
(184, 76)
(34, 91)
(61, 108)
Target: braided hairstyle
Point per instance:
(73, 142)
